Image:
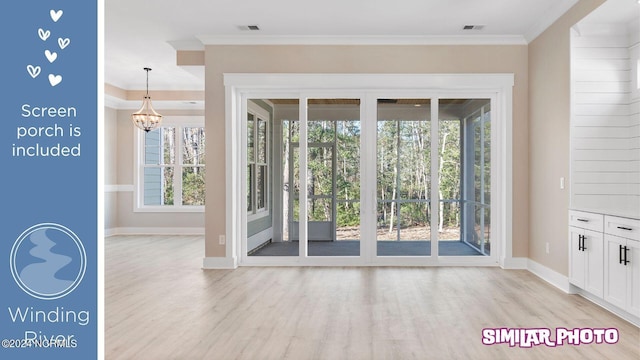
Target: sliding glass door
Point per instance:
(464, 168)
(315, 190)
(333, 177)
(403, 177)
(476, 184)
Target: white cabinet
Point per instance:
(633, 281)
(604, 258)
(586, 220)
(622, 263)
(586, 264)
(587, 260)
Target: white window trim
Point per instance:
(239, 87)
(138, 204)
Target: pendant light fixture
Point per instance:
(146, 118)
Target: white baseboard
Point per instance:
(155, 231)
(551, 276)
(515, 263)
(260, 238)
(219, 263)
(118, 188)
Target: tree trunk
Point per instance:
(440, 166)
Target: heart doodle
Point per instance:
(51, 56)
(44, 34)
(55, 79)
(63, 43)
(55, 15)
(34, 71)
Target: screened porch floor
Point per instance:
(352, 248)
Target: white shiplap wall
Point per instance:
(605, 121)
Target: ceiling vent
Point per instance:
(473, 27)
(249, 27)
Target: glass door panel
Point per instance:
(348, 180)
(463, 177)
(290, 174)
(482, 179)
(333, 180)
(403, 177)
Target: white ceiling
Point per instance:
(146, 33)
(614, 11)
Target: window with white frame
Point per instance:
(257, 160)
(172, 167)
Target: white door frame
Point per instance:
(368, 87)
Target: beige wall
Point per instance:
(110, 136)
(362, 59)
(549, 105)
(119, 171)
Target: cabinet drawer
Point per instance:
(623, 227)
(586, 220)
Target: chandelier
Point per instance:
(146, 118)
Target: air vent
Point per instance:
(249, 27)
(473, 27)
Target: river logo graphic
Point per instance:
(48, 261)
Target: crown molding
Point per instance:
(113, 102)
(361, 40)
(121, 99)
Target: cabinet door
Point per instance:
(615, 273)
(633, 286)
(576, 258)
(594, 262)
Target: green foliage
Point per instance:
(193, 189)
(403, 169)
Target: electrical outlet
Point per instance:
(547, 247)
(222, 240)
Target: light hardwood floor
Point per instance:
(160, 304)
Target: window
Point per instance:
(172, 167)
(257, 160)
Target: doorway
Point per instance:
(360, 179)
